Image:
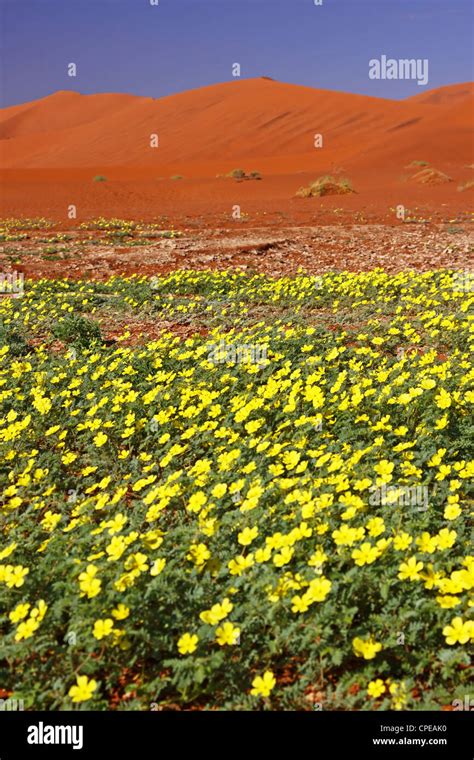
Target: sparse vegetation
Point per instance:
(14, 339)
(415, 164)
(100, 178)
(326, 185)
(236, 174)
(466, 186)
(240, 174)
(177, 176)
(77, 330)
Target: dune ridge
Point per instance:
(244, 121)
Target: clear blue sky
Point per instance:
(131, 46)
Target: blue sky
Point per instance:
(131, 46)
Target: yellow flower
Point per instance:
(443, 399)
(199, 554)
(39, 611)
(446, 538)
(90, 585)
(14, 576)
(157, 566)
(121, 612)
(410, 570)
(375, 526)
(137, 562)
(197, 501)
(398, 692)
(365, 555)
(7, 551)
(346, 536)
(240, 563)
(187, 643)
(227, 633)
(459, 632)
(366, 648)
(384, 469)
(262, 685)
(283, 557)
(217, 612)
(376, 688)
(50, 520)
(100, 439)
(26, 629)
(318, 558)
(116, 524)
(318, 589)
(452, 511)
(68, 458)
(447, 602)
(20, 612)
(300, 603)
(115, 548)
(402, 541)
(103, 628)
(42, 404)
(247, 535)
(219, 490)
(83, 689)
(263, 555)
(426, 543)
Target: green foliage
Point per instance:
(14, 338)
(77, 330)
(130, 473)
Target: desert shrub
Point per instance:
(14, 338)
(77, 330)
(326, 185)
(415, 164)
(237, 174)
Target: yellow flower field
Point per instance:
(271, 513)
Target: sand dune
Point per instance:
(453, 93)
(256, 122)
(50, 150)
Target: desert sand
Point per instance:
(51, 149)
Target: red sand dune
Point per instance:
(449, 95)
(63, 140)
(245, 120)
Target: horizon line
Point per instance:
(239, 80)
